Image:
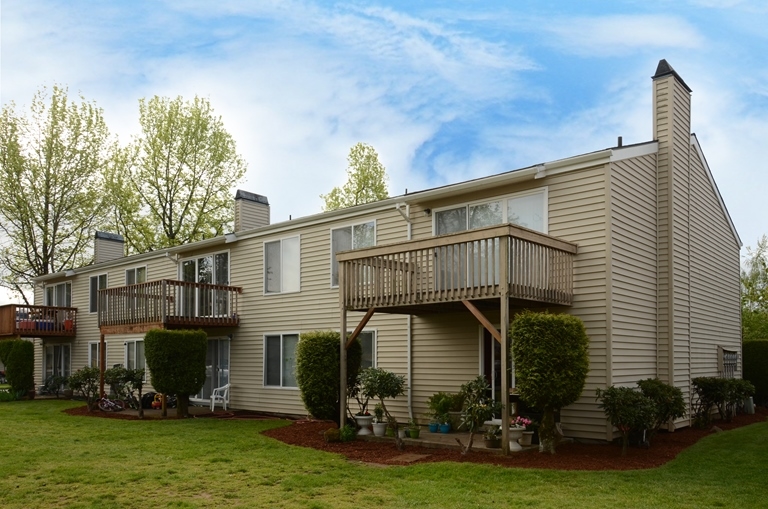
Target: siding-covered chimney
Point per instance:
(251, 211)
(108, 246)
(672, 129)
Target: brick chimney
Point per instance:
(251, 211)
(108, 246)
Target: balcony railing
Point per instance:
(37, 321)
(461, 266)
(169, 303)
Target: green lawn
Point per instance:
(49, 459)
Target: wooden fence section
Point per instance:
(169, 303)
(37, 321)
(459, 266)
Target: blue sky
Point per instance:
(445, 91)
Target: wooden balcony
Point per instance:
(426, 275)
(167, 304)
(20, 320)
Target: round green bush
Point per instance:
(551, 353)
(317, 371)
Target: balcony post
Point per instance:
(504, 318)
(342, 348)
(102, 363)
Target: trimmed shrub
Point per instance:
(317, 372)
(54, 384)
(5, 348)
(176, 361)
(20, 367)
(551, 364)
(668, 402)
(627, 409)
(86, 381)
(724, 393)
(755, 363)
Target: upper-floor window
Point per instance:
(96, 283)
(355, 236)
(527, 209)
(282, 266)
(59, 295)
(212, 269)
(136, 275)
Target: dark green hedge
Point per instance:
(20, 366)
(317, 371)
(176, 363)
(755, 361)
(5, 348)
(551, 353)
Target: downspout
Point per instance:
(408, 339)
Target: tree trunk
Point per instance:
(182, 406)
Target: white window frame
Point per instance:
(505, 213)
(196, 397)
(45, 358)
(282, 265)
(195, 259)
(55, 298)
(374, 342)
(264, 356)
(348, 225)
(125, 355)
(91, 296)
(134, 269)
(98, 347)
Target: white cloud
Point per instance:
(615, 35)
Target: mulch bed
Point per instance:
(574, 456)
(570, 456)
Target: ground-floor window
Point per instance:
(134, 355)
(280, 360)
(491, 363)
(93, 353)
(216, 367)
(58, 360)
(368, 340)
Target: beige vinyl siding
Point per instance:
(577, 213)
(315, 307)
(681, 237)
(633, 270)
(715, 283)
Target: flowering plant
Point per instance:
(521, 422)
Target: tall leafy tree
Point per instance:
(172, 184)
(366, 180)
(52, 163)
(754, 292)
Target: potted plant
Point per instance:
(445, 423)
(439, 405)
(492, 437)
(363, 417)
(516, 429)
(413, 429)
(382, 384)
(527, 436)
(478, 409)
(379, 424)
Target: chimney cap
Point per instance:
(664, 69)
(245, 195)
(109, 236)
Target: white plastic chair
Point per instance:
(220, 394)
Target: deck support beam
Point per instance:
(483, 320)
(352, 337)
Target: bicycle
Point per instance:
(111, 405)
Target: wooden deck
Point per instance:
(416, 276)
(20, 320)
(168, 304)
